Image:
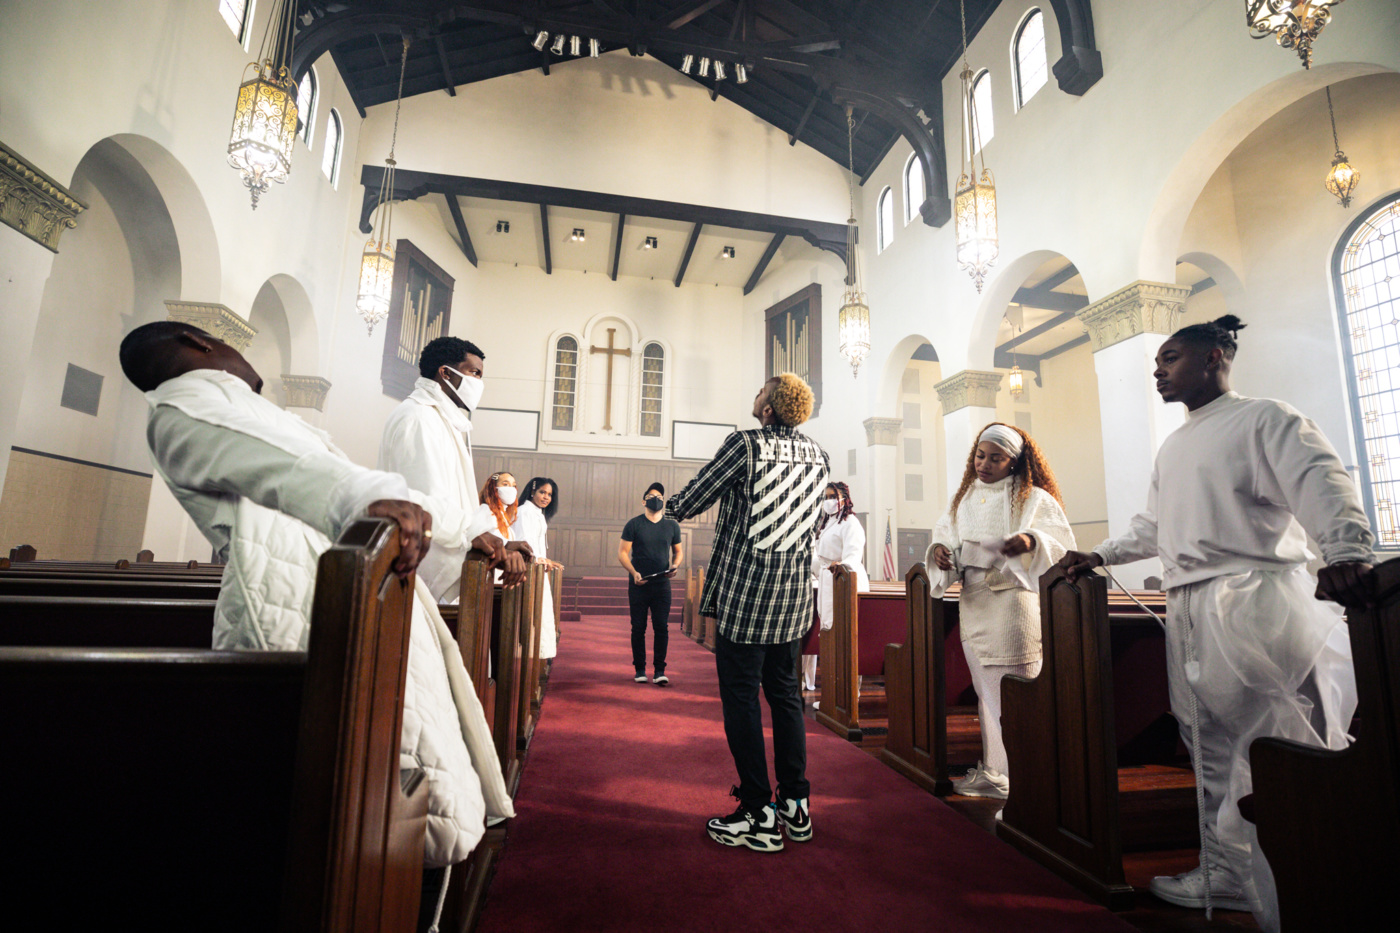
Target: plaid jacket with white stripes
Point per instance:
(769, 484)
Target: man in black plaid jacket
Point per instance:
(769, 484)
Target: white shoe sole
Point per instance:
(794, 835)
(757, 845)
(1199, 903)
(973, 792)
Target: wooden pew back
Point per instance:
(1333, 865)
(917, 746)
(839, 659)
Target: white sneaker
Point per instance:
(983, 782)
(1189, 890)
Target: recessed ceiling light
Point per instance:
(649, 243)
(578, 235)
(503, 226)
(728, 252)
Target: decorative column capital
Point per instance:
(32, 202)
(306, 391)
(967, 389)
(1140, 308)
(216, 319)
(880, 431)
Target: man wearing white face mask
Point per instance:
(427, 440)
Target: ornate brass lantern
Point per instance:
(265, 116)
(1294, 24)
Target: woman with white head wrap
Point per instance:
(1005, 527)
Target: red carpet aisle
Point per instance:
(622, 776)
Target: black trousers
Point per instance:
(742, 670)
(652, 597)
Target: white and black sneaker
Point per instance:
(661, 680)
(796, 818)
(758, 831)
(641, 677)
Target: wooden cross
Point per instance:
(607, 417)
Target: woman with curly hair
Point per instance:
(840, 540)
(1005, 527)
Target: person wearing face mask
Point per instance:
(1006, 526)
(650, 551)
(840, 540)
(427, 440)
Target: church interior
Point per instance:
(939, 213)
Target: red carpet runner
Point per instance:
(621, 776)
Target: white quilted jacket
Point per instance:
(228, 455)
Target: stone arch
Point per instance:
(1226, 278)
(304, 347)
(981, 347)
(1183, 186)
(892, 373)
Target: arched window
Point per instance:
(306, 104)
(330, 161)
(237, 13)
(1032, 66)
(913, 187)
(1366, 270)
(982, 109)
(884, 224)
(565, 384)
(653, 381)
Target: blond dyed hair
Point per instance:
(792, 399)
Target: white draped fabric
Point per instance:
(532, 528)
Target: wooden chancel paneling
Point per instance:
(596, 498)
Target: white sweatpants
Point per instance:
(1265, 659)
(809, 672)
(986, 680)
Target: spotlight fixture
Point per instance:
(727, 253)
(649, 243)
(741, 73)
(593, 48)
(687, 63)
(577, 235)
(558, 47)
(719, 71)
(503, 226)
(704, 67)
(575, 46)
(541, 38)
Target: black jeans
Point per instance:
(654, 597)
(742, 669)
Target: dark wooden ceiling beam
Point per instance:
(1046, 300)
(1080, 65)
(350, 87)
(455, 209)
(1036, 331)
(544, 232)
(617, 246)
(763, 261)
(1003, 358)
(690, 11)
(689, 248)
(806, 115)
(446, 69)
(1058, 278)
(1069, 345)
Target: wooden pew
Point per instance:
(96, 622)
(532, 615)
(152, 566)
(861, 626)
(1334, 863)
(222, 790)
(917, 746)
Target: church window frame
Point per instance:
(335, 136)
(982, 105)
(563, 403)
(306, 105)
(238, 14)
(1366, 280)
(1030, 59)
(884, 220)
(914, 194)
(653, 397)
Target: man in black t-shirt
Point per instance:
(650, 549)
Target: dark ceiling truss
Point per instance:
(806, 59)
(410, 185)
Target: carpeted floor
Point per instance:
(621, 776)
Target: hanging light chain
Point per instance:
(1336, 146)
(386, 185)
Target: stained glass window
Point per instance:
(306, 104)
(1032, 65)
(885, 222)
(330, 161)
(913, 187)
(982, 109)
(653, 378)
(565, 384)
(235, 13)
(1367, 273)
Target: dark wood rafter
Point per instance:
(689, 248)
(763, 261)
(1034, 332)
(690, 11)
(927, 141)
(409, 185)
(446, 68)
(544, 235)
(806, 115)
(455, 209)
(1047, 300)
(1201, 286)
(1080, 66)
(617, 245)
(351, 88)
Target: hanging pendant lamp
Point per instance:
(853, 321)
(265, 115)
(975, 202)
(1342, 179)
(377, 260)
(1294, 24)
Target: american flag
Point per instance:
(889, 552)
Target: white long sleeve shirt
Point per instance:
(840, 542)
(424, 441)
(1234, 489)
